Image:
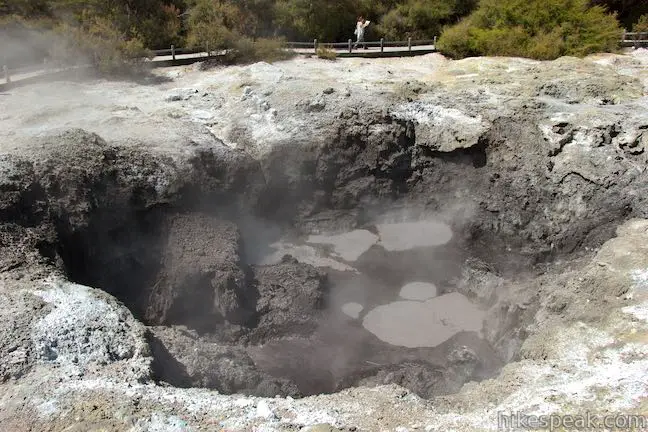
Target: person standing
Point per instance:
(361, 24)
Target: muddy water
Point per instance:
(409, 235)
(424, 324)
(347, 246)
(392, 301)
(418, 291)
(352, 309)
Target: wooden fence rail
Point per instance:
(313, 43)
(382, 43)
(173, 51)
(636, 39)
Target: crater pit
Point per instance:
(411, 236)
(251, 306)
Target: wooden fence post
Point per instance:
(173, 52)
(350, 45)
(382, 44)
(315, 45)
(409, 44)
(435, 42)
(6, 74)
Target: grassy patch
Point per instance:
(326, 53)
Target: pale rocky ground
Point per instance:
(74, 358)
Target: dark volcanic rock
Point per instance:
(369, 155)
(201, 281)
(290, 296)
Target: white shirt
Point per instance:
(360, 26)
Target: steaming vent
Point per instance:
(249, 307)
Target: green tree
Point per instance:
(99, 42)
(213, 24)
(259, 17)
(543, 29)
(154, 22)
(321, 19)
(421, 19)
(641, 25)
(330, 21)
(234, 27)
(106, 33)
(24, 8)
(628, 11)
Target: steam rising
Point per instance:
(394, 254)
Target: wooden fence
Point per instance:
(348, 45)
(636, 39)
(629, 39)
(314, 45)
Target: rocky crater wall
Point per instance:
(169, 207)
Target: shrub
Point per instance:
(212, 25)
(99, 43)
(245, 50)
(326, 20)
(641, 25)
(94, 41)
(326, 53)
(422, 19)
(542, 29)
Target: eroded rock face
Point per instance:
(290, 296)
(201, 281)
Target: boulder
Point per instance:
(200, 281)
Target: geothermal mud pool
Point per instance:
(384, 245)
(393, 283)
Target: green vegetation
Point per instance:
(212, 25)
(422, 19)
(110, 33)
(246, 50)
(628, 11)
(541, 29)
(326, 53)
(641, 25)
(217, 26)
(98, 41)
(106, 34)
